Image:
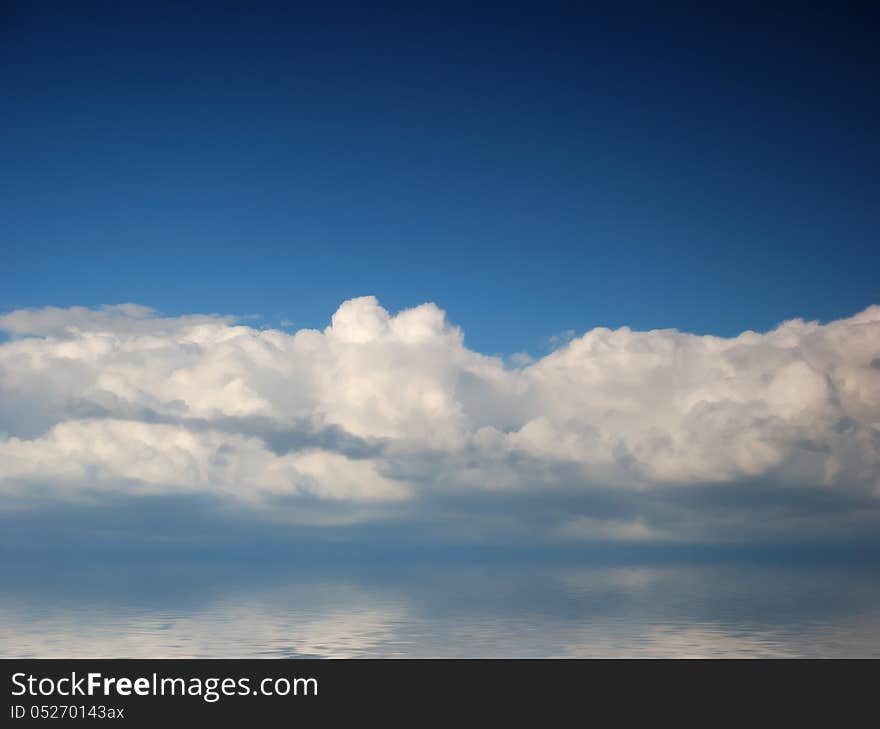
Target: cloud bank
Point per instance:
(379, 418)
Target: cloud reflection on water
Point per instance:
(436, 610)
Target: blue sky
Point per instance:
(539, 173)
(257, 257)
(531, 169)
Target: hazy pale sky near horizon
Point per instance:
(533, 169)
(259, 262)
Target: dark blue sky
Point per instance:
(531, 170)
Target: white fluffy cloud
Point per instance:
(381, 408)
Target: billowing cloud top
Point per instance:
(617, 434)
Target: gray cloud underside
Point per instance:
(391, 420)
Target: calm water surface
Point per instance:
(427, 609)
